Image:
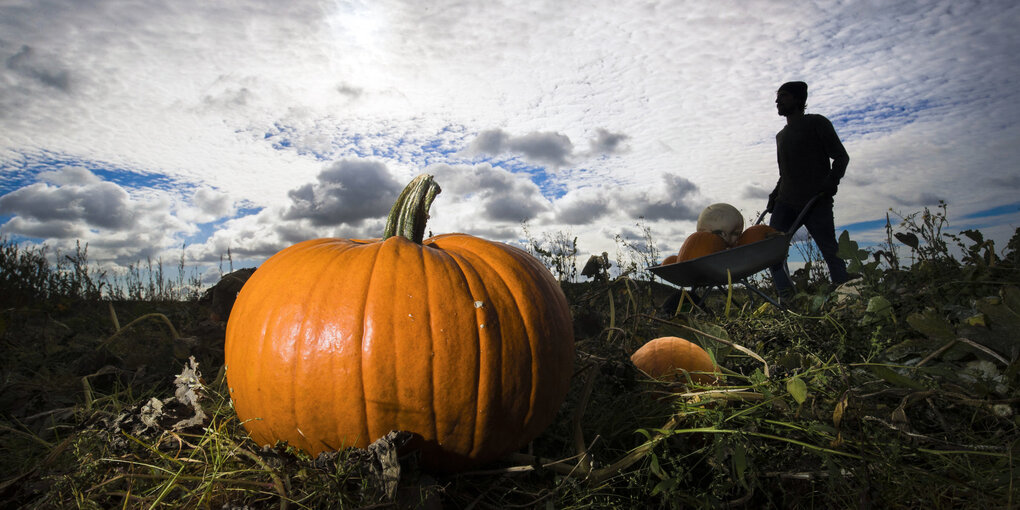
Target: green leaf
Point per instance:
(974, 235)
(847, 248)
(976, 320)
(656, 470)
(997, 312)
(740, 462)
(878, 304)
(797, 388)
(894, 378)
(792, 360)
(930, 324)
(911, 347)
(908, 239)
(999, 329)
(663, 486)
(1011, 298)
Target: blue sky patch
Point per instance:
(26, 172)
(862, 226)
(207, 229)
(994, 211)
(878, 117)
(437, 148)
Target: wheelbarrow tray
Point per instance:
(739, 263)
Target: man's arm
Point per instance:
(772, 197)
(835, 150)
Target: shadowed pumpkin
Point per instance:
(756, 233)
(667, 358)
(700, 244)
(464, 342)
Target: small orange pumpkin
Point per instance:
(756, 233)
(700, 244)
(666, 358)
(464, 342)
(672, 259)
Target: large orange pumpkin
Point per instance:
(666, 358)
(700, 244)
(756, 233)
(672, 259)
(464, 342)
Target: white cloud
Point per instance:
(670, 105)
(348, 191)
(483, 193)
(582, 206)
(100, 205)
(676, 200)
(605, 142)
(206, 205)
(546, 148)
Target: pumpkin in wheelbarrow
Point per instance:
(700, 244)
(723, 220)
(757, 233)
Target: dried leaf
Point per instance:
(899, 418)
(188, 393)
(385, 461)
(151, 412)
(837, 413)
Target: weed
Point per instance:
(634, 257)
(557, 252)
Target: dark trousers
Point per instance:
(820, 225)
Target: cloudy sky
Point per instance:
(143, 127)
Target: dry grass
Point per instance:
(903, 396)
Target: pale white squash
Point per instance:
(723, 220)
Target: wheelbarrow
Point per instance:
(735, 265)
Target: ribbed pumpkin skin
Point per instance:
(468, 343)
(756, 233)
(662, 357)
(700, 244)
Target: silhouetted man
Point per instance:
(812, 160)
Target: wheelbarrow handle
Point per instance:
(800, 217)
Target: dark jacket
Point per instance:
(804, 150)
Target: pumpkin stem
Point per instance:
(411, 210)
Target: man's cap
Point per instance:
(797, 89)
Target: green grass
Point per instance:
(905, 395)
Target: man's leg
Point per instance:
(820, 224)
(782, 219)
